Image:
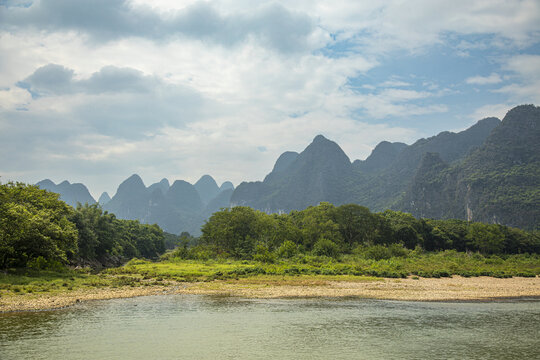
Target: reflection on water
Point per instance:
(200, 327)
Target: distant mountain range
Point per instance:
(176, 208)
(70, 193)
(489, 172)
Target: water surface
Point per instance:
(203, 327)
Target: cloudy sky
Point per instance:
(94, 91)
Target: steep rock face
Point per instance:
(500, 182)
(207, 188)
(384, 189)
(317, 174)
(496, 183)
(426, 196)
(70, 193)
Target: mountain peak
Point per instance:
(70, 193)
(227, 185)
(46, 184)
(134, 179)
(206, 180)
(162, 186)
(489, 121)
(104, 198)
(524, 116)
(284, 160)
(207, 188)
(381, 157)
(322, 149)
(183, 195)
(131, 185)
(319, 138)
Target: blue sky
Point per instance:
(95, 91)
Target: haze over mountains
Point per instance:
(70, 193)
(489, 172)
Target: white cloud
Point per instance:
(414, 24)
(106, 20)
(395, 83)
(491, 110)
(226, 79)
(525, 77)
(484, 80)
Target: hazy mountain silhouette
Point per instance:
(70, 193)
(489, 172)
(207, 188)
(319, 173)
(104, 198)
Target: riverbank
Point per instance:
(456, 288)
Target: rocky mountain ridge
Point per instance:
(489, 172)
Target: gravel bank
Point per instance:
(423, 289)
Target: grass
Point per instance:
(301, 270)
(27, 281)
(442, 264)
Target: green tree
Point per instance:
(34, 223)
(233, 231)
(488, 239)
(358, 225)
(326, 247)
(317, 222)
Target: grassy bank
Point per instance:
(427, 276)
(427, 265)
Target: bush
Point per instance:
(40, 263)
(397, 250)
(136, 261)
(262, 254)
(287, 249)
(325, 247)
(377, 252)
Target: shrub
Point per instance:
(397, 250)
(377, 252)
(262, 254)
(287, 249)
(136, 261)
(40, 263)
(325, 247)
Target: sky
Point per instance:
(94, 91)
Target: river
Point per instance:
(204, 327)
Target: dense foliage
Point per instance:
(244, 233)
(39, 230)
(33, 224)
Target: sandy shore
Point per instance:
(445, 289)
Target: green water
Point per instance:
(201, 327)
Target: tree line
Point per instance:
(242, 232)
(39, 230)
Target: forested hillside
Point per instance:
(497, 183)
